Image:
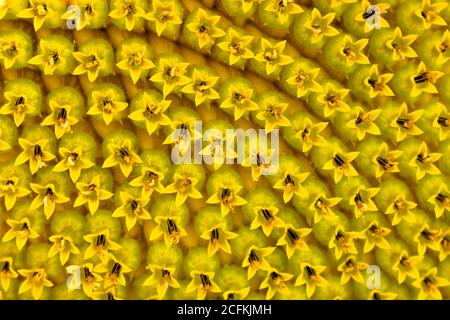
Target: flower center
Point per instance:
(376, 84)
(399, 205)
(165, 274)
(203, 30)
(288, 181)
(445, 200)
(37, 277)
(360, 203)
(206, 283)
(311, 273)
(423, 77)
(92, 62)
(48, 196)
(53, 58)
(405, 261)
(128, 9)
(173, 231)
(20, 104)
(350, 265)
(254, 259)
(5, 267)
(171, 73)
(386, 164)
(151, 110)
(332, 98)
(300, 78)
(201, 86)
(136, 208)
(273, 111)
(125, 155)
(271, 55)
(261, 162)
(117, 268)
(361, 118)
(321, 206)
(41, 9)
(405, 123)
(62, 243)
(306, 136)
(277, 279)
(368, 14)
(153, 177)
(226, 196)
(424, 158)
(101, 241)
(136, 58)
(62, 116)
(238, 97)
(430, 235)
(165, 15)
(293, 237)
(88, 274)
(270, 219)
(10, 49)
(215, 237)
(235, 47)
(37, 152)
(340, 163)
(316, 28)
(376, 231)
(443, 121)
(72, 158)
(349, 53)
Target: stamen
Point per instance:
(421, 78)
(62, 114)
(206, 283)
(5, 267)
(116, 269)
(214, 235)
(87, 273)
(101, 240)
(253, 257)
(267, 215)
(339, 161)
(288, 181)
(423, 158)
(443, 121)
(310, 271)
(37, 151)
(225, 195)
(443, 198)
(134, 205)
(384, 163)
(54, 58)
(368, 14)
(405, 123)
(124, 153)
(293, 236)
(203, 30)
(339, 236)
(165, 274)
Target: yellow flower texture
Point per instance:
(224, 150)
